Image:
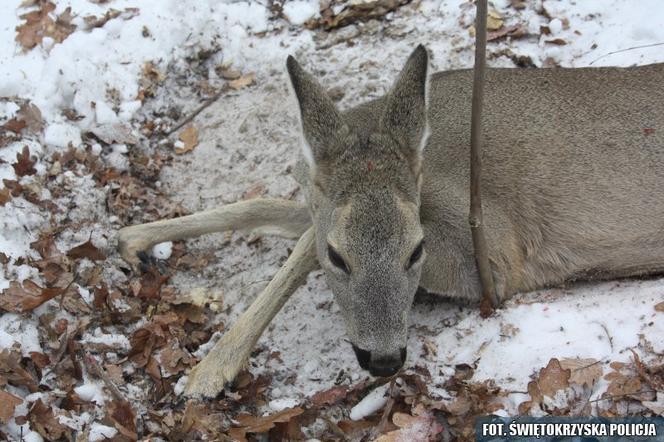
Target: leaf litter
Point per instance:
(80, 306)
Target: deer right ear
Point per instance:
(321, 122)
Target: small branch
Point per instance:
(96, 370)
(200, 109)
(475, 218)
(625, 50)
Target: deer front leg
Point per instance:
(285, 218)
(231, 353)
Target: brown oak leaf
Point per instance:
(24, 165)
(19, 298)
(86, 250)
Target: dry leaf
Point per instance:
(150, 284)
(556, 41)
(494, 20)
(421, 427)
(659, 307)
(24, 165)
(124, 418)
(86, 250)
(330, 396)
(21, 299)
(5, 196)
(43, 420)
(584, 371)
(96, 22)
(39, 24)
(189, 136)
(8, 403)
(251, 424)
(515, 31)
(241, 82)
(553, 378)
(31, 116)
(14, 125)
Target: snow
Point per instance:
(91, 392)
(297, 12)
(16, 329)
(100, 432)
(249, 137)
(371, 403)
(162, 250)
(283, 403)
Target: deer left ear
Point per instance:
(405, 114)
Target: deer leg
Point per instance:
(281, 217)
(231, 353)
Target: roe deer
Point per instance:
(573, 179)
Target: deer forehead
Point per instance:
(379, 223)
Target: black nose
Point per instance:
(381, 366)
(363, 357)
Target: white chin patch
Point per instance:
(307, 152)
(425, 137)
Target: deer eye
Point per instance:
(416, 255)
(336, 259)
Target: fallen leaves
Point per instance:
(96, 22)
(8, 402)
(251, 424)
(553, 378)
(494, 20)
(550, 380)
(583, 371)
(335, 15)
(40, 24)
(19, 298)
(86, 250)
(422, 425)
(24, 165)
(659, 307)
(241, 82)
(123, 418)
(188, 140)
(45, 422)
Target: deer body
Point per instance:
(573, 173)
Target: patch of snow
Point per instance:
(162, 250)
(371, 403)
(299, 11)
(62, 135)
(283, 403)
(101, 432)
(15, 328)
(91, 392)
(179, 387)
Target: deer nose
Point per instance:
(384, 365)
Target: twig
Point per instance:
(96, 370)
(652, 45)
(623, 395)
(607, 334)
(200, 109)
(475, 219)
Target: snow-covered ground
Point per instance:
(247, 141)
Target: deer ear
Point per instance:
(321, 121)
(405, 114)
